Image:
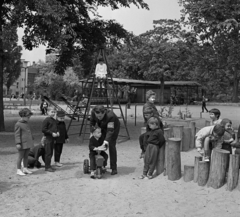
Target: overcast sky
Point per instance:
(133, 19)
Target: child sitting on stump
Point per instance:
(95, 145)
(208, 138)
(154, 141)
(101, 73)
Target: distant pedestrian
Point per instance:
(44, 107)
(23, 140)
(204, 100)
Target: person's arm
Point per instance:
(17, 135)
(92, 145)
(111, 126)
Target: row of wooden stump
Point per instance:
(223, 168)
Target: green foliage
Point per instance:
(12, 55)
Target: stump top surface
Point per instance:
(174, 139)
(178, 126)
(222, 151)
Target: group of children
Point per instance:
(219, 134)
(54, 136)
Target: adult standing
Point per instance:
(108, 121)
(204, 100)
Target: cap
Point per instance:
(25, 112)
(60, 113)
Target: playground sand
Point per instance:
(69, 193)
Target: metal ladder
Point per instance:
(94, 95)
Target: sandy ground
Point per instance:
(69, 193)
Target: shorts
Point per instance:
(98, 75)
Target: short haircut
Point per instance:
(219, 130)
(150, 93)
(225, 121)
(99, 108)
(25, 112)
(94, 128)
(216, 112)
(100, 59)
(153, 120)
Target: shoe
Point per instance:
(57, 164)
(50, 169)
(142, 177)
(92, 175)
(20, 173)
(149, 176)
(26, 171)
(114, 172)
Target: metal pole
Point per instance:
(24, 91)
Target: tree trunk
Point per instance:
(232, 179)
(174, 159)
(218, 168)
(162, 89)
(235, 86)
(188, 173)
(196, 163)
(203, 172)
(2, 126)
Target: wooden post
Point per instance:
(167, 134)
(232, 179)
(238, 186)
(178, 133)
(174, 159)
(188, 173)
(218, 168)
(196, 162)
(203, 172)
(186, 140)
(143, 130)
(161, 160)
(193, 133)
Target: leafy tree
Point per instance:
(217, 23)
(70, 26)
(12, 63)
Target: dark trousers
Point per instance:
(150, 159)
(93, 159)
(48, 151)
(204, 106)
(113, 154)
(57, 151)
(32, 162)
(142, 142)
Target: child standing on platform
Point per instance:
(208, 138)
(23, 140)
(95, 145)
(215, 116)
(155, 140)
(49, 129)
(61, 139)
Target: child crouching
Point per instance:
(154, 141)
(95, 146)
(209, 138)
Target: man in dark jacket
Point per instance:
(35, 153)
(109, 123)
